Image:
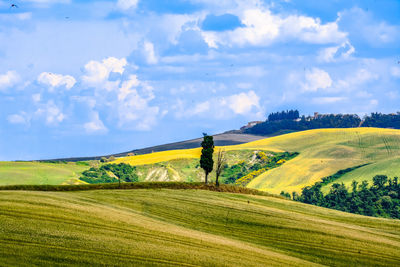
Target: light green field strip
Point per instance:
(188, 228)
(39, 173)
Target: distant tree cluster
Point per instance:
(287, 121)
(306, 123)
(381, 199)
(284, 115)
(382, 120)
(110, 173)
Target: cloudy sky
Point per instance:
(84, 78)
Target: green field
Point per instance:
(39, 173)
(188, 228)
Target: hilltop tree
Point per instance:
(206, 159)
(221, 160)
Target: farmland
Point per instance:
(186, 227)
(39, 173)
(323, 152)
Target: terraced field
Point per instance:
(188, 228)
(39, 173)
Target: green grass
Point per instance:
(39, 173)
(188, 228)
(389, 167)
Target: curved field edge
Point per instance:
(188, 228)
(40, 173)
(323, 152)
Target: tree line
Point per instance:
(287, 121)
(284, 115)
(382, 199)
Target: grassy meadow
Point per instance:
(40, 173)
(186, 227)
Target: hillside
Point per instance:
(325, 151)
(188, 228)
(224, 139)
(39, 173)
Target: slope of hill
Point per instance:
(39, 173)
(224, 139)
(325, 151)
(188, 228)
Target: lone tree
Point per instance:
(206, 159)
(221, 160)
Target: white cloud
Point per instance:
(316, 79)
(354, 80)
(133, 108)
(243, 103)
(262, 27)
(225, 107)
(97, 73)
(127, 4)
(9, 79)
(334, 53)
(126, 87)
(56, 80)
(21, 118)
(95, 125)
(201, 107)
(149, 53)
(51, 112)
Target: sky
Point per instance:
(85, 78)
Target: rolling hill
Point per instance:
(188, 228)
(323, 152)
(40, 173)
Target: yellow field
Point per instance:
(160, 156)
(322, 153)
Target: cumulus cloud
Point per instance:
(51, 112)
(9, 79)
(98, 73)
(56, 80)
(243, 103)
(95, 125)
(127, 4)
(133, 107)
(261, 27)
(316, 79)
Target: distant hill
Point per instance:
(224, 139)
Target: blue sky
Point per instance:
(84, 78)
